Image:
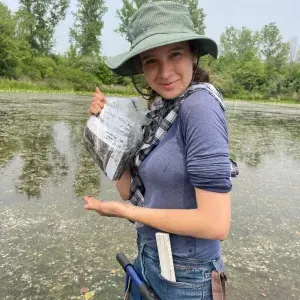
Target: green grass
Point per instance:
(57, 87)
(278, 100)
(267, 101)
(64, 87)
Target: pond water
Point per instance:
(50, 247)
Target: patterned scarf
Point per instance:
(158, 121)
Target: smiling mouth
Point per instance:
(169, 84)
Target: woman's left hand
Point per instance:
(106, 208)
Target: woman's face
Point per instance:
(168, 69)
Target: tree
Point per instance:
(239, 44)
(125, 13)
(88, 25)
(7, 27)
(274, 51)
(39, 19)
(129, 8)
(240, 58)
(250, 75)
(13, 50)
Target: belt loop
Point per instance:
(218, 264)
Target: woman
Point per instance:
(180, 181)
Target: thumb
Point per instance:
(86, 198)
(97, 90)
(88, 207)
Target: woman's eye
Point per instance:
(175, 54)
(149, 61)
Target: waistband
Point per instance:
(145, 250)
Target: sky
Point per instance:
(220, 14)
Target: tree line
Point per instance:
(252, 64)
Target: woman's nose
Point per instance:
(166, 69)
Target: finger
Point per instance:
(100, 97)
(90, 199)
(95, 99)
(87, 200)
(97, 104)
(90, 113)
(97, 90)
(98, 93)
(87, 207)
(93, 111)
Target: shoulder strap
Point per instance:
(213, 91)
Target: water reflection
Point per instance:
(87, 177)
(45, 144)
(8, 141)
(41, 159)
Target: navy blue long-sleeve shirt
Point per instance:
(193, 153)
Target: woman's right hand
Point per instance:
(97, 103)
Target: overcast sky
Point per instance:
(220, 14)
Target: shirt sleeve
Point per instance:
(205, 135)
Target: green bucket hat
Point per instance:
(158, 24)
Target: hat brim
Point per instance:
(124, 64)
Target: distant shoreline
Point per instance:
(60, 92)
(116, 93)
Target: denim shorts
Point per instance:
(193, 277)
